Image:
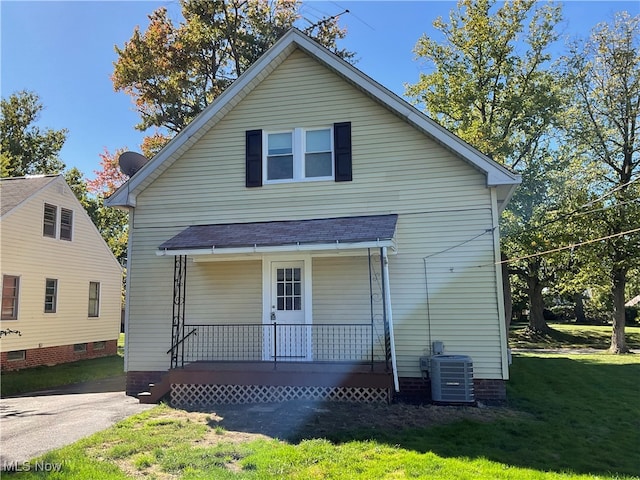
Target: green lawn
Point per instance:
(570, 335)
(570, 417)
(42, 378)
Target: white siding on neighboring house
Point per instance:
(74, 264)
(441, 200)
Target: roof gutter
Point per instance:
(297, 247)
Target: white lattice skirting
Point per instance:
(192, 395)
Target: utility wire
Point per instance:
(589, 203)
(488, 230)
(566, 247)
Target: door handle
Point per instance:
(273, 316)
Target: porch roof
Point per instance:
(290, 235)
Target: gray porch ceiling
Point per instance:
(325, 231)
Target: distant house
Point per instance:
(61, 285)
(311, 234)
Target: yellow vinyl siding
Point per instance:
(441, 201)
(224, 292)
(34, 258)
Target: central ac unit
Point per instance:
(452, 379)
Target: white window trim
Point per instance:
(19, 292)
(55, 297)
(97, 300)
(56, 221)
(299, 151)
(70, 239)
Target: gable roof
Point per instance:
(496, 174)
(14, 191)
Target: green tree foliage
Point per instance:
(26, 148)
(492, 84)
(603, 124)
(173, 72)
(111, 223)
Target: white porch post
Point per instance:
(389, 312)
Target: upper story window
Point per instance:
(298, 155)
(50, 220)
(301, 154)
(66, 224)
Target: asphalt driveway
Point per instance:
(35, 423)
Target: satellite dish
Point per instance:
(131, 162)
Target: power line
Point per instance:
(589, 203)
(566, 247)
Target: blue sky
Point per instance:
(64, 52)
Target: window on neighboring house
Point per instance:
(50, 295)
(66, 224)
(50, 219)
(80, 347)
(99, 345)
(10, 290)
(16, 355)
(94, 299)
(299, 155)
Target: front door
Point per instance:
(289, 336)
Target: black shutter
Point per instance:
(342, 146)
(253, 166)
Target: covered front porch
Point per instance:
(305, 343)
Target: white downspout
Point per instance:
(387, 290)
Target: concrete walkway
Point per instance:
(35, 423)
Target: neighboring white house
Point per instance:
(61, 285)
(311, 234)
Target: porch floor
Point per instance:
(304, 374)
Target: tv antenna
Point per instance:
(322, 21)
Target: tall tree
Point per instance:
(112, 223)
(493, 85)
(26, 148)
(604, 125)
(173, 72)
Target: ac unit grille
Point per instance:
(452, 379)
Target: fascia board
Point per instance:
(496, 173)
(126, 194)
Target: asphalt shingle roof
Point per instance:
(14, 191)
(292, 232)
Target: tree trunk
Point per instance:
(618, 341)
(506, 291)
(579, 309)
(537, 323)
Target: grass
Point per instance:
(572, 417)
(42, 378)
(570, 335)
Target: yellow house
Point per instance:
(61, 285)
(311, 234)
